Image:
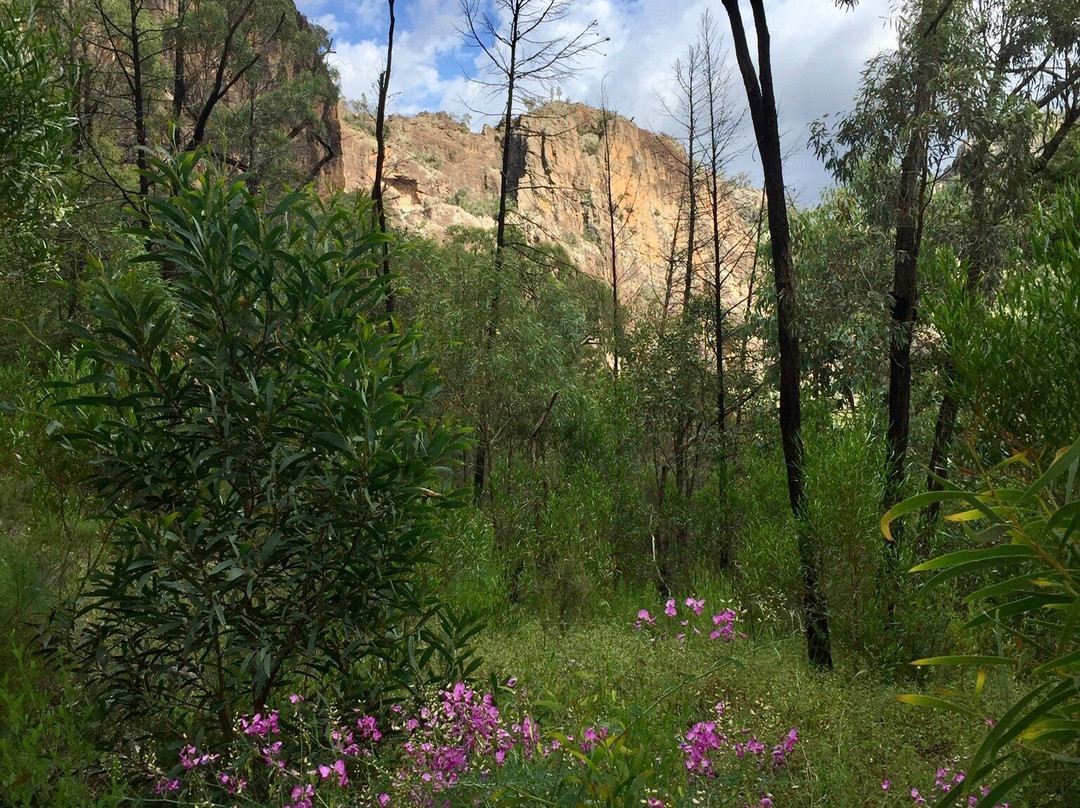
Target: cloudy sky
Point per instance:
(818, 53)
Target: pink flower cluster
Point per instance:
(723, 622)
(945, 780)
(706, 742)
(464, 732)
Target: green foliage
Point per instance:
(47, 756)
(844, 483)
(842, 257)
(34, 127)
(1013, 353)
(46, 536)
(260, 431)
(1024, 569)
(34, 134)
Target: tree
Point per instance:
(618, 207)
(910, 207)
(986, 94)
(35, 136)
(720, 125)
(380, 149)
(265, 443)
(762, 102)
(520, 58)
(686, 115)
(245, 79)
(1016, 127)
(34, 126)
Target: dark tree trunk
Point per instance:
(481, 459)
(380, 155)
(138, 98)
(909, 221)
(762, 103)
(691, 190)
(508, 129)
(179, 71)
(610, 124)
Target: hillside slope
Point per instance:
(439, 174)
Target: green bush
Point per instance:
(259, 429)
(1016, 354)
(47, 756)
(1023, 567)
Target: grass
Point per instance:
(853, 731)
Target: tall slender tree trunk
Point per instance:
(138, 98)
(179, 91)
(909, 223)
(949, 410)
(719, 312)
(380, 155)
(691, 184)
(762, 103)
(612, 211)
(480, 461)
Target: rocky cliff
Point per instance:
(439, 174)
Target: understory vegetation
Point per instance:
(300, 510)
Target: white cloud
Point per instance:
(818, 53)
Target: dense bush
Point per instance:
(258, 429)
(1016, 353)
(1020, 571)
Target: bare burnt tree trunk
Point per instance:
(616, 217)
(717, 136)
(687, 80)
(762, 103)
(222, 82)
(518, 55)
(380, 155)
(507, 127)
(480, 460)
(669, 274)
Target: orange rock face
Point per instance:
(439, 173)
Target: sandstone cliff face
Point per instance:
(441, 174)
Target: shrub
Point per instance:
(47, 756)
(258, 427)
(1026, 565)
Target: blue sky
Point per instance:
(819, 51)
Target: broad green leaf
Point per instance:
(921, 700)
(962, 659)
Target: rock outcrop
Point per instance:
(439, 173)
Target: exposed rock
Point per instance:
(439, 173)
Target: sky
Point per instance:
(819, 51)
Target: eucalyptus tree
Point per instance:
(618, 208)
(761, 98)
(1022, 108)
(245, 79)
(525, 52)
(718, 134)
(980, 96)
